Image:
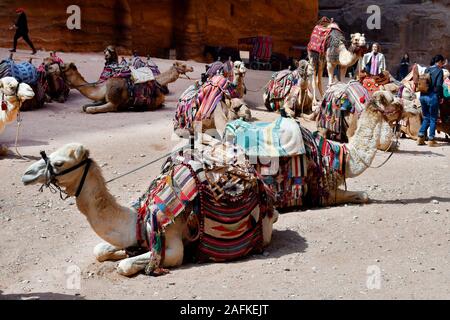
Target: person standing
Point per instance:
(404, 67)
(374, 63)
(21, 27)
(430, 101)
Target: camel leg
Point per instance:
(330, 70)
(343, 72)
(93, 104)
(319, 80)
(107, 107)
(104, 252)
(174, 252)
(133, 265)
(344, 197)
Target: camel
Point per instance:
(358, 156)
(57, 89)
(230, 107)
(288, 91)
(113, 94)
(117, 224)
(335, 54)
(13, 95)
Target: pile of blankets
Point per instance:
(279, 87)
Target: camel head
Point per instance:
(358, 39)
(385, 103)
(62, 159)
(69, 71)
(182, 68)
(239, 69)
(11, 87)
(238, 109)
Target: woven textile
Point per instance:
(115, 71)
(318, 39)
(187, 107)
(24, 72)
(279, 87)
(340, 99)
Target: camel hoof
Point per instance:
(84, 108)
(90, 110)
(125, 268)
(363, 197)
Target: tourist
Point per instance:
(430, 101)
(374, 63)
(21, 27)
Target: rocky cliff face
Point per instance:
(154, 26)
(421, 28)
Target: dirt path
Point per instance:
(326, 253)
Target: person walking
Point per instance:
(404, 67)
(430, 101)
(21, 27)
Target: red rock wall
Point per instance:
(154, 26)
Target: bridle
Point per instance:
(51, 181)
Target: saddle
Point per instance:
(23, 71)
(320, 33)
(281, 138)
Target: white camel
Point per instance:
(12, 96)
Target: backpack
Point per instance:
(424, 83)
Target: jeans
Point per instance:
(430, 111)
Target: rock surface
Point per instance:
(420, 28)
(156, 26)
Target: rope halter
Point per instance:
(51, 181)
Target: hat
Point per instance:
(19, 10)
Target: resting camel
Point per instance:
(57, 89)
(13, 95)
(336, 54)
(360, 153)
(117, 224)
(113, 94)
(230, 107)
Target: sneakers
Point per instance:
(34, 52)
(432, 143)
(421, 141)
(12, 50)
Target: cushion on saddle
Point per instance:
(280, 138)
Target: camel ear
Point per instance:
(81, 152)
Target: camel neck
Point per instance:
(112, 222)
(347, 58)
(167, 77)
(92, 92)
(363, 145)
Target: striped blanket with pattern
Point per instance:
(198, 103)
(339, 99)
(278, 88)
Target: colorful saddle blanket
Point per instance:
(218, 67)
(280, 138)
(339, 99)
(319, 37)
(23, 71)
(279, 87)
(115, 70)
(198, 103)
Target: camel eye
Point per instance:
(58, 164)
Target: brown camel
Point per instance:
(113, 94)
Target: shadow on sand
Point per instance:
(39, 296)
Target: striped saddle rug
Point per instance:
(276, 139)
(198, 102)
(223, 204)
(278, 88)
(339, 100)
(115, 70)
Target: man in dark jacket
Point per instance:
(430, 101)
(21, 27)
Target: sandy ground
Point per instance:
(327, 253)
